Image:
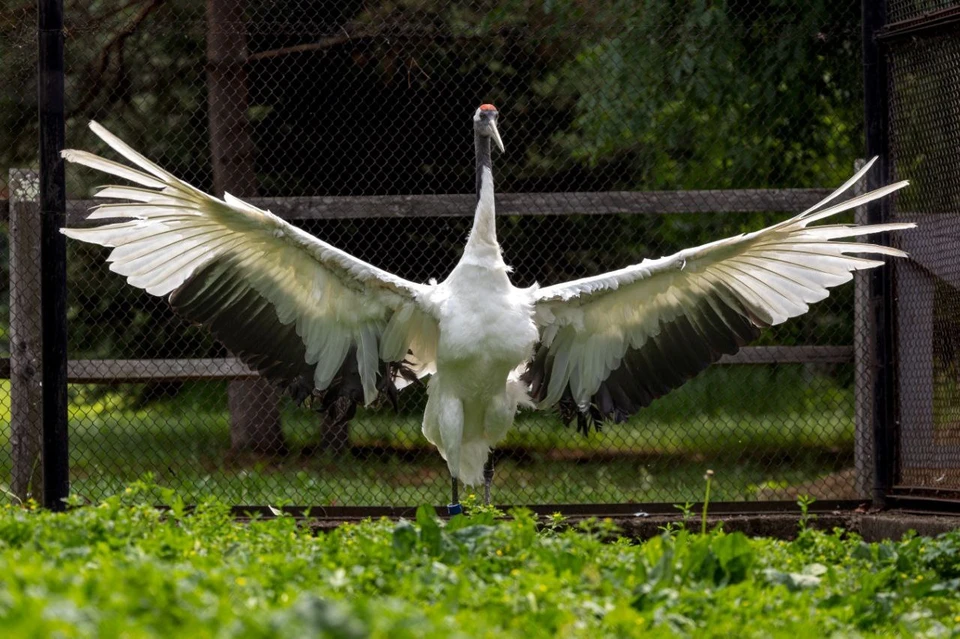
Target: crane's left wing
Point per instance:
(612, 343)
(296, 309)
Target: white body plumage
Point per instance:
(487, 333)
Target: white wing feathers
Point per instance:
(286, 302)
(295, 308)
(664, 320)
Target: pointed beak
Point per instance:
(496, 135)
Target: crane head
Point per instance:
(485, 124)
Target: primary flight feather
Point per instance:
(321, 322)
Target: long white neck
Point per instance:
(482, 243)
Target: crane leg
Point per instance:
(454, 507)
(487, 478)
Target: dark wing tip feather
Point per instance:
(218, 297)
(683, 348)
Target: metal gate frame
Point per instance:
(903, 410)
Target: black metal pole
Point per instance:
(53, 253)
(877, 129)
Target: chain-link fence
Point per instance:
(925, 128)
(632, 130)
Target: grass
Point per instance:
(760, 428)
(124, 569)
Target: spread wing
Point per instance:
(612, 343)
(291, 306)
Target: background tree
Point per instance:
(254, 403)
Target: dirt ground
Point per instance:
(872, 526)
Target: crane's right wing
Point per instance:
(294, 308)
(612, 343)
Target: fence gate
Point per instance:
(921, 47)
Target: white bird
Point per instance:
(324, 323)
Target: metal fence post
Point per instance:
(26, 418)
(876, 123)
(53, 253)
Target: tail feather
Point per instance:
(473, 455)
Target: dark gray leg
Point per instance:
(454, 507)
(487, 478)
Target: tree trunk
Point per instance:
(255, 417)
(26, 419)
(254, 403)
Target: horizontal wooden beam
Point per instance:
(790, 355)
(565, 203)
(115, 371)
(156, 370)
(94, 371)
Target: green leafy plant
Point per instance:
(686, 510)
(125, 568)
(708, 477)
(686, 514)
(804, 502)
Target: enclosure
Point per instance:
(632, 130)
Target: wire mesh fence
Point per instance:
(925, 109)
(352, 120)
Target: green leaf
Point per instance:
(327, 618)
(886, 552)
(792, 580)
(431, 535)
(404, 539)
(863, 551)
(426, 515)
(471, 536)
(735, 554)
(457, 522)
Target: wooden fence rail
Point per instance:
(116, 371)
(563, 203)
